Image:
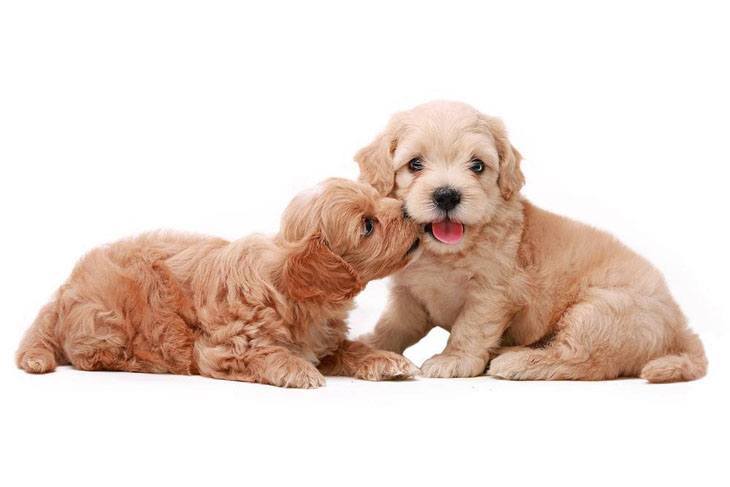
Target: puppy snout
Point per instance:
(446, 198)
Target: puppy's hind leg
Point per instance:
(584, 348)
(39, 351)
(96, 338)
(555, 362)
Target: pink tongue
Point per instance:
(448, 232)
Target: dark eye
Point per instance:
(415, 164)
(367, 226)
(477, 165)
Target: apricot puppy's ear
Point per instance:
(312, 272)
(376, 159)
(511, 178)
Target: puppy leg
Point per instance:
(96, 338)
(101, 338)
(602, 337)
(39, 352)
(555, 362)
(403, 323)
(234, 359)
(355, 359)
(476, 332)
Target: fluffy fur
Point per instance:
(563, 300)
(259, 309)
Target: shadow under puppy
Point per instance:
(496, 270)
(259, 309)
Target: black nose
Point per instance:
(446, 198)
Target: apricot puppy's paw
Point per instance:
(383, 365)
(445, 365)
(37, 361)
(295, 372)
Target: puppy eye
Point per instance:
(367, 226)
(415, 164)
(477, 165)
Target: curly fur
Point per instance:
(258, 309)
(564, 300)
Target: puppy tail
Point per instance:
(39, 350)
(691, 364)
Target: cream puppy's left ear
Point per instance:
(376, 159)
(511, 178)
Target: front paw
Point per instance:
(295, 372)
(382, 365)
(449, 364)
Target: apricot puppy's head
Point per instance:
(451, 165)
(344, 234)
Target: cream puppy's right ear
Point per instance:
(376, 159)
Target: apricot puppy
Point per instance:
(497, 271)
(260, 309)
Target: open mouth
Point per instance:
(414, 246)
(447, 231)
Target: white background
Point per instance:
(120, 117)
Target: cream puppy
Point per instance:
(570, 301)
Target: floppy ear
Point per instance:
(376, 159)
(312, 272)
(511, 178)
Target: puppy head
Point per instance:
(451, 165)
(341, 235)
